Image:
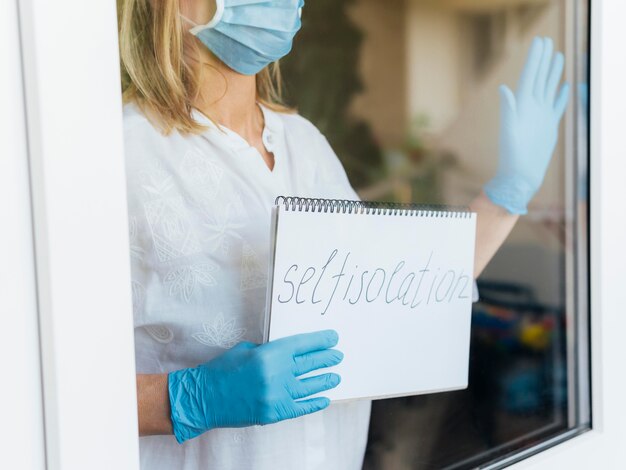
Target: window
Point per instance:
(407, 94)
(77, 190)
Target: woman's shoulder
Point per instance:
(307, 138)
(296, 123)
(310, 144)
(301, 134)
(143, 138)
(135, 120)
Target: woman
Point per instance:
(209, 147)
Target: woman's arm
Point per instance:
(154, 405)
(494, 225)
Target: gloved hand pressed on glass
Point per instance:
(529, 128)
(253, 385)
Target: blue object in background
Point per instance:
(518, 337)
(522, 389)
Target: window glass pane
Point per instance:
(407, 93)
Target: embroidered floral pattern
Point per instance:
(171, 229)
(139, 297)
(160, 333)
(221, 333)
(182, 282)
(253, 276)
(135, 249)
(157, 183)
(222, 229)
(237, 203)
(203, 174)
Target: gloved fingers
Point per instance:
(312, 385)
(306, 343)
(562, 101)
(544, 69)
(306, 407)
(529, 74)
(556, 73)
(508, 102)
(316, 360)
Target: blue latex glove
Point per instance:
(253, 385)
(529, 128)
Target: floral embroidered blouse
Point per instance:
(199, 214)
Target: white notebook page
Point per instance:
(397, 289)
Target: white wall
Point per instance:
(434, 63)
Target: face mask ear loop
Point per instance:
(219, 13)
(184, 18)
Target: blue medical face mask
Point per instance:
(248, 35)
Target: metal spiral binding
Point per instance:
(342, 206)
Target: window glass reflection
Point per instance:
(406, 92)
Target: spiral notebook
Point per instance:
(395, 281)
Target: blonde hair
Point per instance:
(158, 71)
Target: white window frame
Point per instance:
(21, 434)
(74, 125)
(603, 446)
(78, 185)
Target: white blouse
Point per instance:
(199, 212)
